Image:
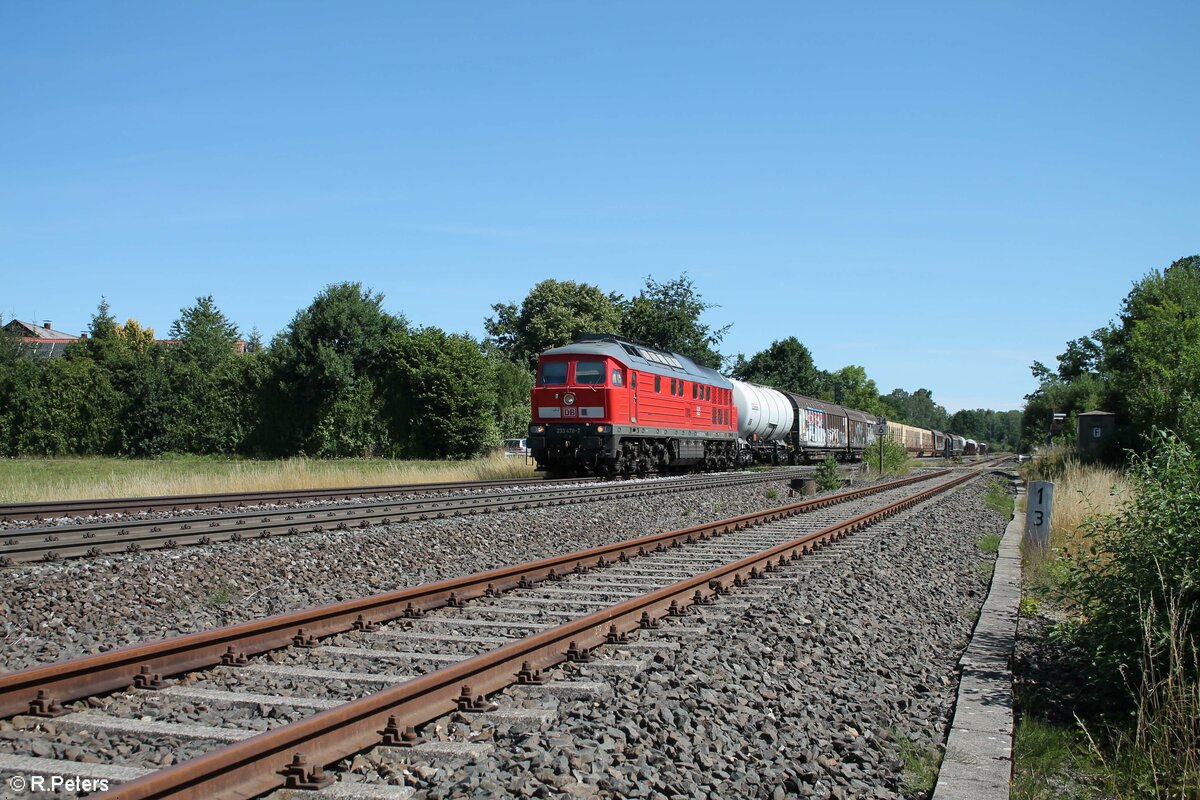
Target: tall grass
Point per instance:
(1159, 755)
(1081, 490)
(28, 480)
(1122, 574)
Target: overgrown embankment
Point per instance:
(1108, 695)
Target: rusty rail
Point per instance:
(90, 675)
(97, 538)
(283, 756)
(233, 500)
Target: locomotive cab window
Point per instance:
(553, 373)
(589, 373)
(617, 379)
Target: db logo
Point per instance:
(570, 411)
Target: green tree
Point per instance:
(850, 387)
(916, 409)
(513, 383)
(329, 365)
(1000, 429)
(57, 407)
(441, 394)
(137, 410)
(786, 365)
(552, 315)
(1153, 355)
(10, 345)
(212, 402)
(1084, 356)
(205, 334)
(103, 343)
(135, 336)
(667, 316)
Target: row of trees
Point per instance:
(345, 378)
(1144, 367)
(348, 378)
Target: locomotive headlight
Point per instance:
(569, 399)
(599, 429)
(539, 428)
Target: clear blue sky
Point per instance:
(941, 193)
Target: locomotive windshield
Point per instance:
(552, 373)
(589, 372)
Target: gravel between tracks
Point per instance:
(61, 610)
(816, 692)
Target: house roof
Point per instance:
(29, 330)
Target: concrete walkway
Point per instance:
(978, 760)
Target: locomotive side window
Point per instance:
(618, 380)
(589, 373)
(553, 373)
(657, 384)
(708, 393)
(672, 386)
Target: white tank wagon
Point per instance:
(765, 419)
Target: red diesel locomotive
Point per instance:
(611, 406)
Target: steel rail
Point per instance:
(93, 539)
(39, 510)
(33, 689)
(282, 757)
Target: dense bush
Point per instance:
(61, 407)
(1138, 563)
(442, 395)
(827, 476)
(895, 457)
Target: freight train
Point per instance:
(610, 406)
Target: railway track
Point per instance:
(174, 504)
(98, 537)
(434, 649)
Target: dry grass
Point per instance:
(1082, 491)
(1160, 755)
(28, 480)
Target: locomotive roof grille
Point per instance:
(654, 360)
(634, 348)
